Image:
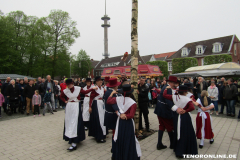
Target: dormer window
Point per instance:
(217, 47)
(184, 52)
(200, 49)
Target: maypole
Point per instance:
(134, 58)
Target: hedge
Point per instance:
(162, 65)
(214, 59)
(181, 64)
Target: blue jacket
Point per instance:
(163, 107)
(20, 88)
(47, 97)
(110, 117)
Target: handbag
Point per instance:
(149, 96)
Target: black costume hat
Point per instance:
(88, 80)
(97, 78)
(126, 89)
(188, 85)
(182, 88)
(69, 81)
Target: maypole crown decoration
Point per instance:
(125, 56)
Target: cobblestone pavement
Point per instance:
(41, 138)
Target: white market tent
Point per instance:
(220, 69)
(13, 76)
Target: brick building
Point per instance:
(222, 45)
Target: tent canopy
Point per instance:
(143, 70)
(13, 76)
(221, 69)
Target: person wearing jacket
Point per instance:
(13, 95)
(63, 86)
(22, 98)
(50, 84)
(47, 101)
(56, 93)
(213, 94)
(2, 100)
(222, 99)
(4, 90)
(230, 94)
(28, 93)
(42, 91)
(142, 91)
(165, 114)
(200, 86)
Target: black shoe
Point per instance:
(232, 115)
(159, 147)
(27, 114)
(52, 112)
(201, 146)
(43, 114)
(55, 110)
(101, 141)
(148, 130)
(211, 142)
(72, 148)
(220, 113)
(228, 114)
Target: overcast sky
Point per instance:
(164, 25)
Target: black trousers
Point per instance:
(36, 109)
(143, 110)
(14, 104)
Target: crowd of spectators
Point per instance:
(20, 95)
(223, 93)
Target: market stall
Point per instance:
(143, 70)
(221, 69)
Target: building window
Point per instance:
(185, 52)
(217, 47)
(235, 50)
(169, 66)
(199, 50)
(202, 61)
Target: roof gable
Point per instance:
(116, 59)
(146, 58)
(162, 56)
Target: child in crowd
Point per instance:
(47, 101)
(36, 102)
(204, 120)
(2, 100)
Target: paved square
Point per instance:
(41, 138)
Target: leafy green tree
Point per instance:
(64, 32)
(181, 64)
(82, 64)
(36, 46)
(163, 67)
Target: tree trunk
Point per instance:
(134, 58)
